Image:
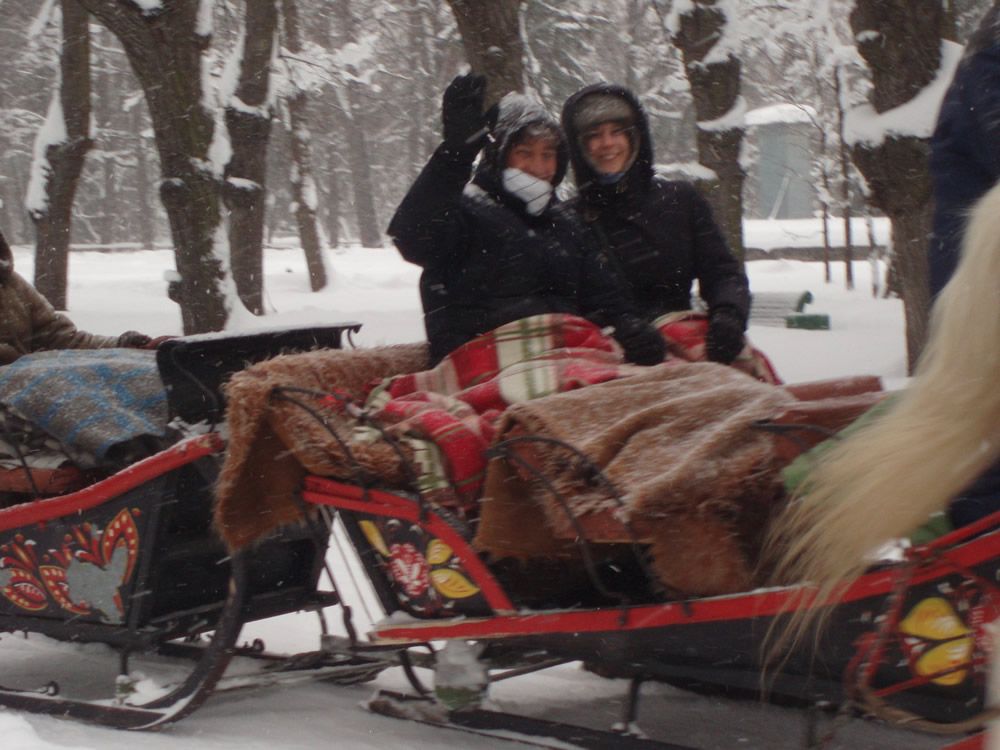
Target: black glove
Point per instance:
(642, 343)
(725, 336)
(465, 124)
(133, 340)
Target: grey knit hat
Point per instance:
(594, 109)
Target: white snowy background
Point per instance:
(111, 292)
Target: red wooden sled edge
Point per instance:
(48, 509)
(322, 491)
(749, 605)
(975, 742)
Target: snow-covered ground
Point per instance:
(116, 291)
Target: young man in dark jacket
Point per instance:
(498, 248)
(660, 233)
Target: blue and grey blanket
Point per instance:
(90, 400)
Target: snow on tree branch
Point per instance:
(731, 120)
(915, 117)
(149, 7)
(52, 133)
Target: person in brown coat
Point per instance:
(28, 323)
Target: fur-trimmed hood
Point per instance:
(517, 112)
(639, 175)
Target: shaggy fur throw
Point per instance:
(274, 442)
(678, 442)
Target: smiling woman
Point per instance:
(609, 148)
(660, 234)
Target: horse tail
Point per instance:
(884, 480)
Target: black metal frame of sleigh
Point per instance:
(131, 561)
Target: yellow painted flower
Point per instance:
(934, 618)
(946, 656)
(374, 537)
(438, 552)
(452, 584)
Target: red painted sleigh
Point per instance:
(132, 561)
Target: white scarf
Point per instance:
(534, 192)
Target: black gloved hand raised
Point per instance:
(724, 340)
(642, 343)
(465, 124)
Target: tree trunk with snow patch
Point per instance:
(491, 36)
(68, 127)
(248, 120)
(303, 183)
(901, 42)
(715, 88)
(165, 45)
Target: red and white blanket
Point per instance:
(448, 415)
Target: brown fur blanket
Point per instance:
(274, 442)
(679, 444)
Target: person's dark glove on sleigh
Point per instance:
(642, 343)
(725, 339)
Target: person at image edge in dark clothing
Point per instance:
(964, 165)
(661, 233)
(499, 248)
(965, 147)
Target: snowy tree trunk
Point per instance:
(146, 218)
(303, 183)
(845, 178)
(826, 242)
(248, 120)
(715, 88)
(420, 39)
(59, 153)
(901, 42)
(491, 35)
(165, 46)
(333, 200)
(358, 156)
(109, 209)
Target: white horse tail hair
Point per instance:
(886, 479)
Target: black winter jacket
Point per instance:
(965, 147)
(488, 262)
(660, 233)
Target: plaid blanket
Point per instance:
(90, 400)
(447, 416)
(685, 333)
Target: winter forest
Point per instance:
(214, 126)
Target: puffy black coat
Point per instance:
(661, 233)
(486, 260)
(965, 147)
